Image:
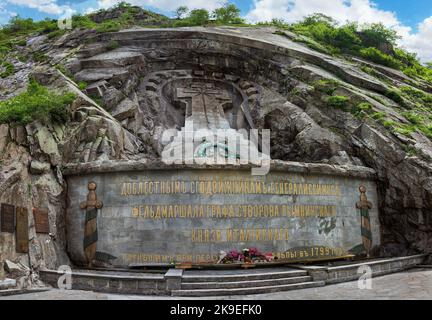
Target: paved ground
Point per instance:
(413, 284)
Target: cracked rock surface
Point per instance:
(127, 104)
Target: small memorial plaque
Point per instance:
(22, 234)
(7, 222)
(41, 221)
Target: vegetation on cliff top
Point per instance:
(36, 103)
(372, 42)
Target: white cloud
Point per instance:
(362, 11)
(90, 10)
(46, 6)
(420, 42)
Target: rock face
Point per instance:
(137, 13)
(129, 102)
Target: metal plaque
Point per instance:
(41, 221)
(22, 234)
(7, 222)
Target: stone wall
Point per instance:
(125, 126)
(31, 182)
(305, 128)
(134, 229)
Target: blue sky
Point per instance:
(412, 19)
(409, 13)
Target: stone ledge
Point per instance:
(379, 262)
(7, 284)
(348, 272)
(171, 281)
(275, 165)
(110, 283)
(104, 276)
(13, 292)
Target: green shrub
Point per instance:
(113, 45)
(229, 13)
(406, 130)
(339, 102)
(361, 110)
(19, 25)
(410, 151)
(375, 55)
(108, 26)
(22, 58)
(318, 18)
(375, 34)
(414, 117)
(407, 58)
(79, 21)
(327, 86)
(278, 23)
(21, 43)
(198, 17)
(378, 115)
(345, 37)
(415, 94)
(56, 33)
(37, 103)
(376, 74)
(182, 23)
(389, 124)
(365, 106)
(426, 130)
(4, 48)
(40, 57)
(396, 97)
(47, 25)
(82, 85)
(8, 69)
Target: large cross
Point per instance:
(206, 105)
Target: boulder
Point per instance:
(16, 270)
(48, 145)
(125, 109)
(37, 167)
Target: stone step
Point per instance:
(14, 292)
(244, 277)
(244, 291)
(244, 284)
(7, 284)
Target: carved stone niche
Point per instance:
(212, 100)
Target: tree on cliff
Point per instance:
(180, 12)
(228, 13)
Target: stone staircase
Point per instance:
(163, 280)
(220, 284)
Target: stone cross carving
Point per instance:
(206, 106)
(90, 232)
(364, 205)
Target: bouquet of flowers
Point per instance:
(247, 255)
